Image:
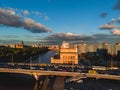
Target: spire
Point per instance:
(22, 42)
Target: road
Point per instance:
(59, 83)
(93, 84)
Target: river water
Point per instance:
(23, 82)
(45, 58)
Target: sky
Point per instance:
(53, 21)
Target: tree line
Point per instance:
(102, 59)
(8, 54)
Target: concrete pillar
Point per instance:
(36, 85)
(36, 77)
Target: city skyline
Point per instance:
(54, 21)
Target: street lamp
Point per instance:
(12, 58)
(39, 58)
(72, 66)
(30, 61)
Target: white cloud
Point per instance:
(26, 12)
(115, 32)
(108, 26)
(29, 21)
(69, 34)
(118, 20)
(8, 11)
(113, 20)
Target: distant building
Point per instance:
(16, 46)
(36, 45)
(111, 49)
(81, 48)
(12, 46)
(67, 55)
(19, 45)
(117, 48)
(53, 47)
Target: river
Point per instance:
(44, 58)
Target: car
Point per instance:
(79, 81)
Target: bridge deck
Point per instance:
(58, 73)
(39, 72)
(103, 76)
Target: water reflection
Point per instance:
(45, 58)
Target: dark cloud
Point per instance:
(117, 5)
(69, 37)
(9, 18)
(101, 36)
(103, 15)
(58, 38)
(107, 38)
(118, 20)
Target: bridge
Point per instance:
(76, 75)
(103, 76)
(37, 73)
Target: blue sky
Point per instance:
(71, 19)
